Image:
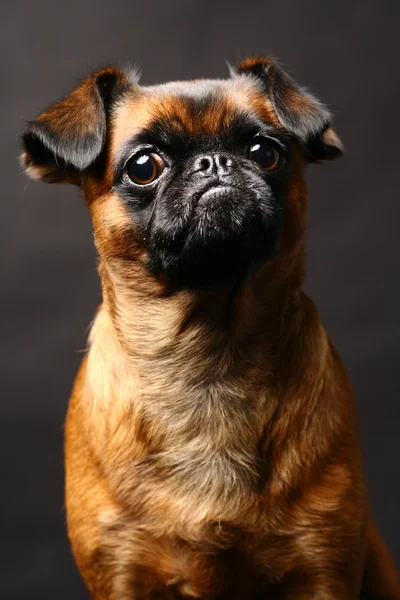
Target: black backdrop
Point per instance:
(347, 53)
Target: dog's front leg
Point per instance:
(320, 587)
(324, 582)
(326, 560)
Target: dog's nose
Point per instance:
(213, 164)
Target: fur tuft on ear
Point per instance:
(298, 111)
(69, 136)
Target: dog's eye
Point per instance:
(145, 168)
(265, 153)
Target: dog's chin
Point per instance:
(208, 256)
(225, 240)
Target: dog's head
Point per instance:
(199, 182)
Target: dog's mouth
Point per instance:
(219, 211)
(216, 193)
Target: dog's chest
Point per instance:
(208, 441)
(193, 494)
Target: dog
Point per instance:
(211, 443)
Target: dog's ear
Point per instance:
(68, 137)
(297, 110)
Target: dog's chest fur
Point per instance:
(208, 442)
(177, 438)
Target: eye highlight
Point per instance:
(264, 152)
(145, 167)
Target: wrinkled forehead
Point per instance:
(204, 107)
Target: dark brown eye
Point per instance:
(265, 153)
(145, 168)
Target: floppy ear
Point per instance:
(298, 111)
(68, 137)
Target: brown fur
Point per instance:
(211, 440)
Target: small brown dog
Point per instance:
(211, 442)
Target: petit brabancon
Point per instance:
(211, 441)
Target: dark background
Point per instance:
(345, 52)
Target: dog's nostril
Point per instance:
(222, 161)
(205, 164)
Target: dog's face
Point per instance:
(200, 182)
(201, 176)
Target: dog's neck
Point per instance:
(216, 327)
